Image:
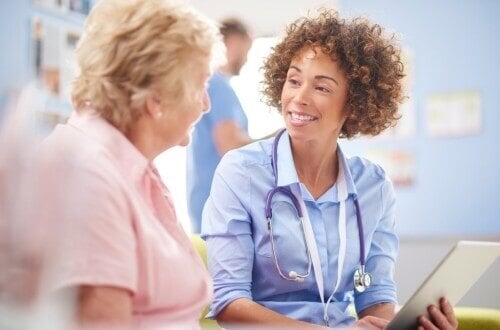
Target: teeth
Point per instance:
(302, 117)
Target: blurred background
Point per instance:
(442, 156)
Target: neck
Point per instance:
(142, 136)
(226, 70)
(316, 165)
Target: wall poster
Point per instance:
(453, 114)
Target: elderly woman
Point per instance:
(141, 87)
(296, 230)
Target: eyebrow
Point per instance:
(316, 77)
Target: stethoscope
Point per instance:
(361, 278)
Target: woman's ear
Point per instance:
(153, 105)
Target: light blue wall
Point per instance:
(456, 47)
(14, 32)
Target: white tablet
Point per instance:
(452, 278)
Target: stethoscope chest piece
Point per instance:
(362, 280)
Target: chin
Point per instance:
(296, 132)
(185, 141)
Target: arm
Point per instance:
(226, 117)
(102, 267)
(228, 135)
(376, 316)
(382, 310)
(230, 251)
(244, 311)
(102, 306)
(380, 298)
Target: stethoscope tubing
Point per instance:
(359, 220)
(286, 191)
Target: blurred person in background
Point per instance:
(99, 217)
(224, 128)
(296, 231)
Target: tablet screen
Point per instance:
(452, 278)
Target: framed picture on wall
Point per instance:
(51, 5)
(53, 45)
(52, 59)
(453, 114)
(80, 6)
(45, 52)
(399, 165)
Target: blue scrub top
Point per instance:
(240, 258)
(202, 156)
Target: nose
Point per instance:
(206, 102)
(301, 95)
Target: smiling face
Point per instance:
(314, 96)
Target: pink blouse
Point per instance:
(118, 225)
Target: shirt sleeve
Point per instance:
(382, 255)
(226, 227)
(224, 103)
(97, 239)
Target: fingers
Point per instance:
(440, 318)
(448, 311)
(425, 323)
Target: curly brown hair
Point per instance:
(371, 62)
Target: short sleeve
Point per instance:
(382, 255)
(98, 243)
(224, 103)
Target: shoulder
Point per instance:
(370, 179)
(246, 158)
(224, 103)
(365, 172)
(83, 176)
(218, 83)
(70, 151)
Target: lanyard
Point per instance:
(311, 241)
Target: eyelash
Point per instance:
(323, 89)
(295, 82)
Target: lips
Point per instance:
(302, 117)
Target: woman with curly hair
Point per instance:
(296, 231)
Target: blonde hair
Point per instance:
(130, 47)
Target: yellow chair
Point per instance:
(200, 246)
(469, 318)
